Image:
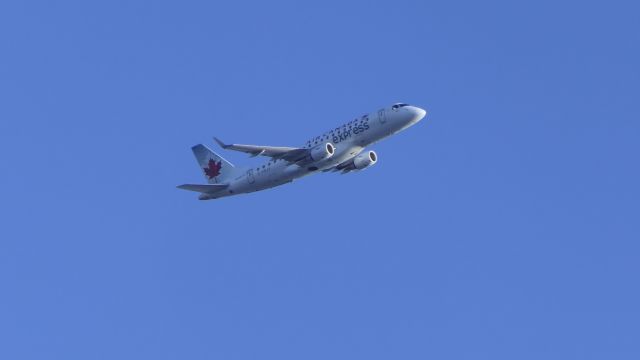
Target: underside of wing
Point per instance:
(344, 167)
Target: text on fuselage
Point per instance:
(344, 132)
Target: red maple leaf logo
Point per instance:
(213, 168)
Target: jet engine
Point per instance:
(365, 160)
(361, 161)
(322, 151)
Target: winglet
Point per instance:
(222, 145)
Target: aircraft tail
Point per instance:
(215, 168)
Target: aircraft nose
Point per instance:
(416, 113)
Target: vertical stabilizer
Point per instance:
(214, 167)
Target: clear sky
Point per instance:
(504, 226)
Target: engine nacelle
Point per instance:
(322, 151)
(365, 160)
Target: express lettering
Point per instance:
(340, 136)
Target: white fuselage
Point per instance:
(348, 139)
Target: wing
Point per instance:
(344, 166)
(290, 154)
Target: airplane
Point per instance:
(340, 149)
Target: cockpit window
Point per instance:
(399, 105)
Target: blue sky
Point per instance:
(503, 226)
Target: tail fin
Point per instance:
(215, 168)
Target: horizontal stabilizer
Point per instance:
(204, 188)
